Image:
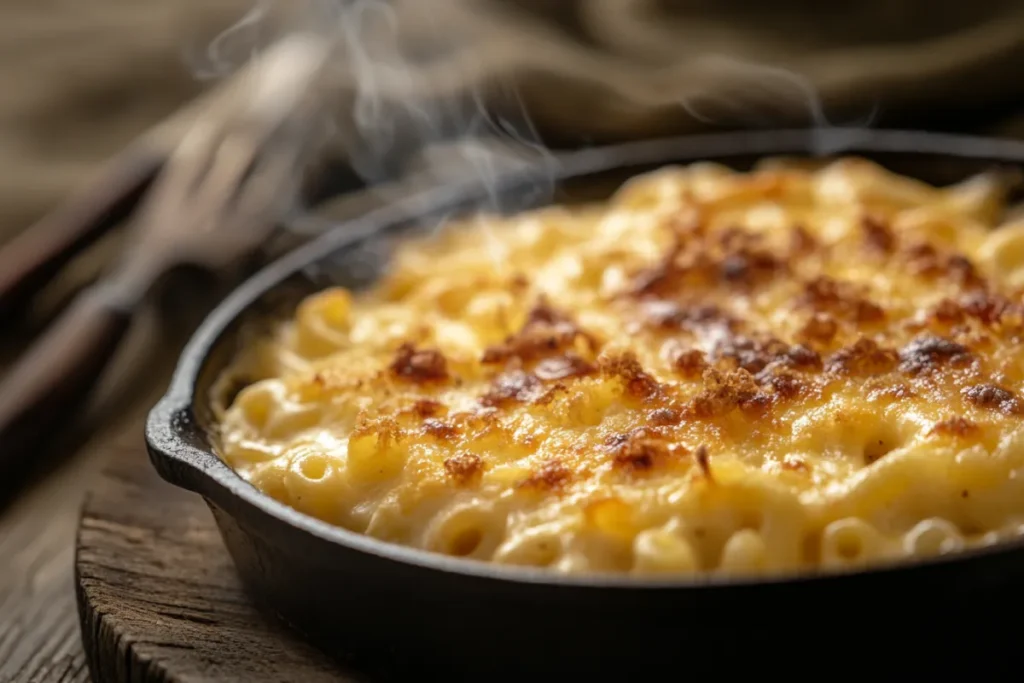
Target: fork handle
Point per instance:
(29, 260)
(47, 386)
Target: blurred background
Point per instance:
(83, 78)
(80, 80)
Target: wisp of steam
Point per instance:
(752, 95)
(400, 112)
(411, 103)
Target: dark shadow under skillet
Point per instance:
(404, 614)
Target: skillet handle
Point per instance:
(45, 390)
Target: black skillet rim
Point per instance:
(172, 432)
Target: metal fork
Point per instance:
(219, 196)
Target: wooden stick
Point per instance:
(37, 254)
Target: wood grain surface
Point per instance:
(158, 595)
(39, 632)
(39, 638)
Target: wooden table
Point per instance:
(39, 626)
(39, 635)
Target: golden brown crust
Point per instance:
(426, 407)
(545, 332)
(642, 450)
(513, 386)
(754, 354)
(725, 392)
(864, 359)
(993, 397)
(689, 363)
(550, 476)
(956, 426)
(442, 431)
(878, 235)
(929, 261)
(733, 258)
(672, 315)
(823, 294)
(464, 468)
(660, 417)
(563, 367)
(820, 329)
(929, 354)
(639, 384)
(423, 365)
(801, 242)
(799, 327)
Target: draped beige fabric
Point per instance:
(79, 79)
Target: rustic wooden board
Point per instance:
(158, 596)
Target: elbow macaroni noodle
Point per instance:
(713, 372)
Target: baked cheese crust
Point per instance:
(714, 372)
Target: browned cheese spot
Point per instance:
(464, 468)
(425, 408)
(385, 428)
(687, 362)
(841, 299)
(993, 397)
(641, 451)
(424, 365)
(693, 261)
(749, 267)
(877, 234)
(665, 416)
(545, 332)
(665, 277)
(786, 385)
(961, 271)
(896, 392)
(864, 359)
(819, 329)
(992, 310)
(801, 242)
(439, 430)
(562, 367)
(513, 386)
(549, 476)
(675, 316)
(754, 354)
(955, 426)
(727, 391)
(627, 368)
(923, 258)
(926, 260)
(947, 313)
(929, 353)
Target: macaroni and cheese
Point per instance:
(713, 372)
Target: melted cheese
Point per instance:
(712, 372)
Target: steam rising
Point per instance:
(234, 47)
(751, 95)
(400, 117)
(413, 111)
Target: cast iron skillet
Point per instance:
(395, 610)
